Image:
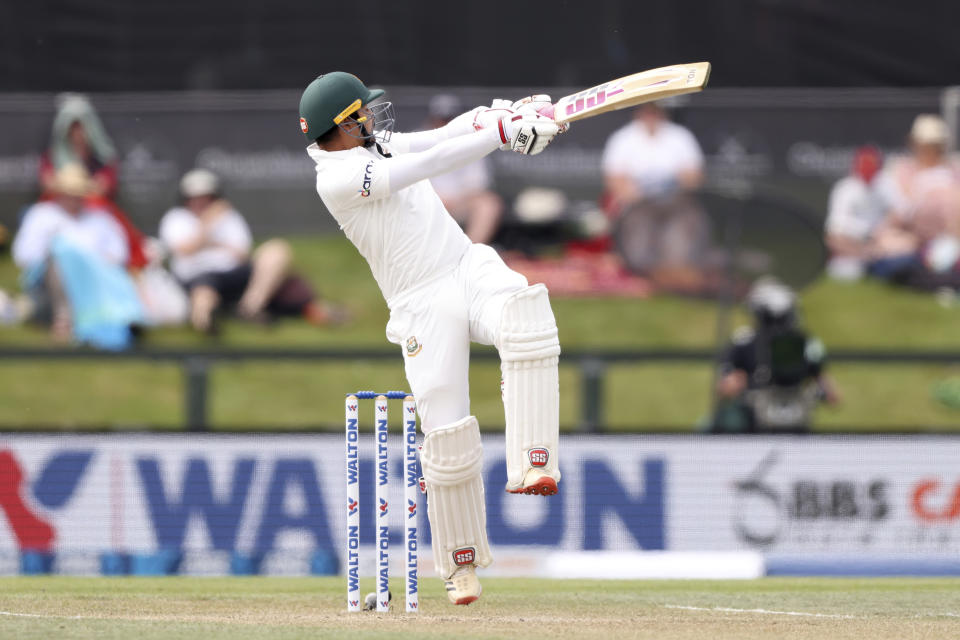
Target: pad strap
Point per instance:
(528, 330)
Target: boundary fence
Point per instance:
(591, 364)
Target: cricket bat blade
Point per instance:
(629, 91)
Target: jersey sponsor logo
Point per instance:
(538, 457)
(303, 125)
(367, 180)
(413, 347)
(466, 555)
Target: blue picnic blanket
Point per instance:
(103, 297)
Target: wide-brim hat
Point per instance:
(199, 182)
(929, 128)
(72, 180)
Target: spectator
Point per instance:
(771, 375)
(650, 167)
(79, 137)
(67, 250)
(918, 241)
(210, 246)
(466, 192)
(857, 207)
(927, 182)
(651, 157)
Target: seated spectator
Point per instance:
(772, 374)
(466, 192)
(927, 182)
(650, 166)
(210, 254)
(79, 137)
(918, 241)
(857, 207)
(72, 255)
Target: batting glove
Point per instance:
(540, 104)
(487, 118)
(527, 133)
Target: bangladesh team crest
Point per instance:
(413, 347)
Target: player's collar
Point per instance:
(316, 153)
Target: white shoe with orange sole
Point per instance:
(463, 587)
(537, 483)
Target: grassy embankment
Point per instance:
(303, 395)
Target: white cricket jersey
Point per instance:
(651, 160)
(408, 237)
(473, 178)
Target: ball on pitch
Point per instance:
(370, 602)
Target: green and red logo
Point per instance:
(413, 347)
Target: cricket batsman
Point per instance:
(444, 292)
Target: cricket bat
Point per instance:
(632, 90)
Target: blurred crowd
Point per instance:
(898, 219)
(91, 276)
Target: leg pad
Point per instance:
(452, 461)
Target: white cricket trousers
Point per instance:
(435, 322)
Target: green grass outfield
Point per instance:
(673, 397)
(275, 608)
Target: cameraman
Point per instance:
(771, 375)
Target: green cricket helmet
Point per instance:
(336, 96)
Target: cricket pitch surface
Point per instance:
(262, 607)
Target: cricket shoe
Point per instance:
(537, 483)
(463, 587)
